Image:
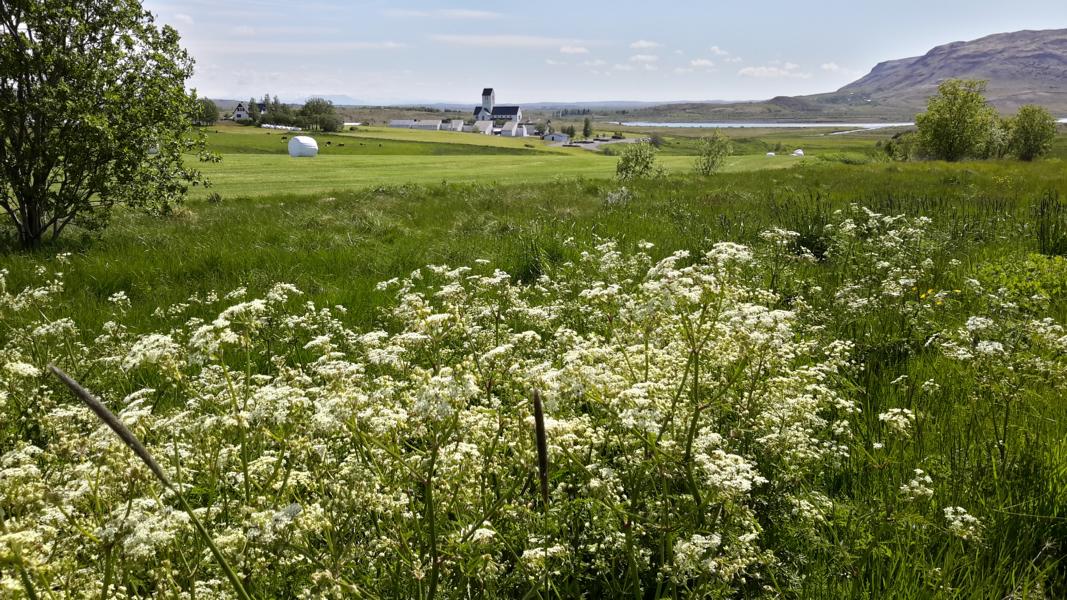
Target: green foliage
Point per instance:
(569, 130)
(1050, 220)
(113, 132)
(207, 112)
(638, 161)
(1033, 132)
(253, 110)
(712, 152)
(896, 279)
(587, 128)
(957, 121)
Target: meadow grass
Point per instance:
(314, 484)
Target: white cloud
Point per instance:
(702, 63)
(649, 67)
(786, 71)
(682, 70)
(733, 59)
(717, 51)
(623, 68)
(644, 45)
(183, 18)
(574, 50)
(555, 63)
(501, 41)
(444, 13)
(644, 58)
(258, 47)
(831, 67)
(594, 63)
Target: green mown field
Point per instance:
(792, 379)
(255, 162)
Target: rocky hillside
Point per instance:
(1024, 67)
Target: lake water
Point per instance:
(780, 125)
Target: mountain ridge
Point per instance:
(1021, 67)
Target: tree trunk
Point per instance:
(32, 227)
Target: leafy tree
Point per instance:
(903, 146)
(570, 131)
(712, 152)
(638, 161)
(93, 113)
(319, 112)
(998, 139)
(317, 106)
(587, 128)
(1033, 132)
(957, 121)
(206, 112)
(253, 110)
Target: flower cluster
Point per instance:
(679, 395)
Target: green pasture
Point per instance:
(241, 175)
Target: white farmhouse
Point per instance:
(240, 113)
(402, 123)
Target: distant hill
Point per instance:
(1023, 67)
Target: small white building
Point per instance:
(558, 137)
(513, 129)
(482, 127)
(427, 125)
(402, 123)
(240, 113)
(453, 125)
(798, 152)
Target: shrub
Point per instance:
(957, 121)
(1033, 132)
(638, 161)
(712, 152)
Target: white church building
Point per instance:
(490, 111)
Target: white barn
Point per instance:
(427, 125)
(402, 123)
(240, 113)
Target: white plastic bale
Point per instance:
(302, 146)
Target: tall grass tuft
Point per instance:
(142, 453)
(1051, 217)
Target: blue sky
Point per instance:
(555, 50)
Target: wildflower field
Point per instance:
(832, 381)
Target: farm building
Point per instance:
(403, 123)
(558, 137)
(513, 129)
(489, 111)
(482, 127)
(240, 113)
(428, 125)
(453, 125)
